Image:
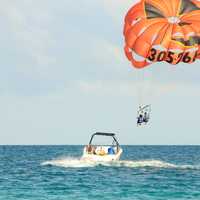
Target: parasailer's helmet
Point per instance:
(162, 30)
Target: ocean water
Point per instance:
(57, 173)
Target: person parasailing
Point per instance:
(146, 118)
(140, 120)
(143, 115)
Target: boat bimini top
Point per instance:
(114, 143)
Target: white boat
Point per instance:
(102, 153)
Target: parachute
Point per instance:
(162, 31)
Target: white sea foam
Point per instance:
(70, 162)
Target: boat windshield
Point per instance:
(107, 140)
(103, 141)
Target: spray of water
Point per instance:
(70, 162)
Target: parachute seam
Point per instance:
(169, 42)
(146, 30)
(155, 3)
(172, 8)
(184, 37)
(158, 36)
(168, 9)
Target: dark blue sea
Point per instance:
(57, 173)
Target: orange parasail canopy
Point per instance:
(162, 30)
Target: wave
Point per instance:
(70, 162)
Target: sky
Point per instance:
(64, 76)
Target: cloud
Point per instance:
(135, 88)
(29, 30)
(118, 9)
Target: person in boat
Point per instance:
(89, 149)
(111, 151)
(140, 119)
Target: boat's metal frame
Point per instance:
(106, 134)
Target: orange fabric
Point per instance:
(160, 30)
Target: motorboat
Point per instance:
(102, 153)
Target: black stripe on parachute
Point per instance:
(152, 12)
(187, 6)
(191, 42)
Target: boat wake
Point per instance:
(70, 162)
